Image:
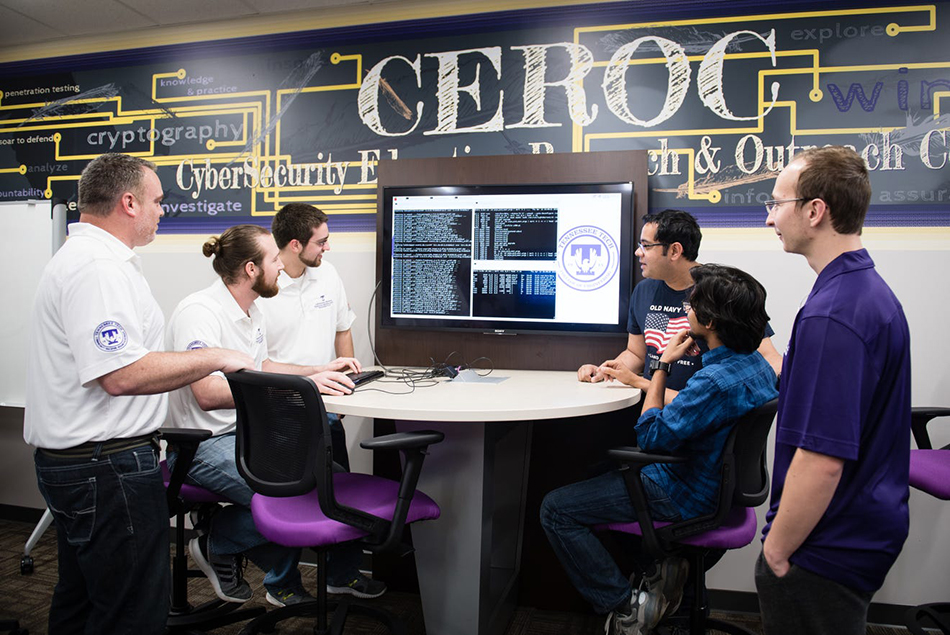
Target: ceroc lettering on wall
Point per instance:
(448, 87)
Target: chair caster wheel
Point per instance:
(26, 565)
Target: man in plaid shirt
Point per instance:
(727, 312)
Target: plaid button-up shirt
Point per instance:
(697, 423)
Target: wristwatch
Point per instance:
(656, 365)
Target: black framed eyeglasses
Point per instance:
(647, 246)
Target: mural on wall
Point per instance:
(721, 104)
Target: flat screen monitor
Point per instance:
(507, 258)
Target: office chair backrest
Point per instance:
(283, 443)
(751, 465)
(282, 437)
(744, 476)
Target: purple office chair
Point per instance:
(285, 454)
(183, 499)
(744, 486)
(930, 473)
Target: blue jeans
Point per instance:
(111, 521)
(567, 515)
(232, 528)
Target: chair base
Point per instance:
(697, 622)
(13, 627)
(706, 624)
(210, 615)
(341, 609)
(937, 613)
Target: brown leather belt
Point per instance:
(91, 449)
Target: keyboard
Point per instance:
(366, 376)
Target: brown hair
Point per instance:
(838, 176)
(106, 178)
(233, 249)
(296, 221)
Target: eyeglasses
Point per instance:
(771, 206)
(647, 246)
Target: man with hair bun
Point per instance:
(96, 379)
(838, 517)
(226, 314)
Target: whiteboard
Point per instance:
(26, 242)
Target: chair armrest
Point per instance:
(633, 455)
(920, 416)
(414, 446)
(179, 436)
(635, 459)
(403, 440)
(186, 442)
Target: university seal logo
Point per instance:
(588, 258)
(110, 336)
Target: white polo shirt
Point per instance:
(304, 318)
(94, 313)
(212, 318)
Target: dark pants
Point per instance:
(111, 521)
(804, 602)
(567, 515)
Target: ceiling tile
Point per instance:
(18, 29)
(81, 18)
(190, 11)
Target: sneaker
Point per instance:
(668, 581)
(289, 597)
(226, 573)
(361, 587)
(638, 617)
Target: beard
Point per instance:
(261, 288)
(312, 262)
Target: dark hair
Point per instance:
(838, 176)
(106, 178)
(296, 221)
(733, 301)
(676, 226)
(233, 249)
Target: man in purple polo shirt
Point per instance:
(838, 516)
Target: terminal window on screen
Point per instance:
(507, 257)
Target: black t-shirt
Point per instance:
(657, 312)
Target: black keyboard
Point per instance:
(366, 376)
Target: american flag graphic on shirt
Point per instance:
(660, 328)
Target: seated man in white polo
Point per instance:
(226, 315)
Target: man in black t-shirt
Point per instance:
(669, 246)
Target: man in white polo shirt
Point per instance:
(309, 322)
(226, 314)
(94, 402)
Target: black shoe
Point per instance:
(361, 587)
(226, 573)
(290, 596)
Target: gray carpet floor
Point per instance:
(27, 598)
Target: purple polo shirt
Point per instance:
(845, 392)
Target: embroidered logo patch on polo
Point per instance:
(110, 336)
(196, 344)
